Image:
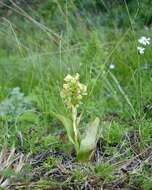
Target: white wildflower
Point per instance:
(144, 41)
(112, 66)
(141, 50)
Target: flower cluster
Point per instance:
(144, 42)
(73, 91)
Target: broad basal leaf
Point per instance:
(68, 126)
(88, 143)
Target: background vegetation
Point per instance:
(40, 43)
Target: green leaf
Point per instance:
(88, 143)
(68, 126)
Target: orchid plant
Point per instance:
(72, 94)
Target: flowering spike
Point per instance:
(73, 91)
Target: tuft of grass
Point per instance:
(104, 170)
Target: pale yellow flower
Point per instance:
(73, 91)
(68, 78)
(77, 76)
(65, 86)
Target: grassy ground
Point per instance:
(36, 53)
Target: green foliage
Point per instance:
(50, 141)
(29, 116)
(79, 175)
(8, 173)
(51, 162)
(145, 131)
(147, 184)
(104, 170)
(113, 132)
(67, 123)
(89, 140)
(56, 38)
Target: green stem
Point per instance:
(74, 118)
